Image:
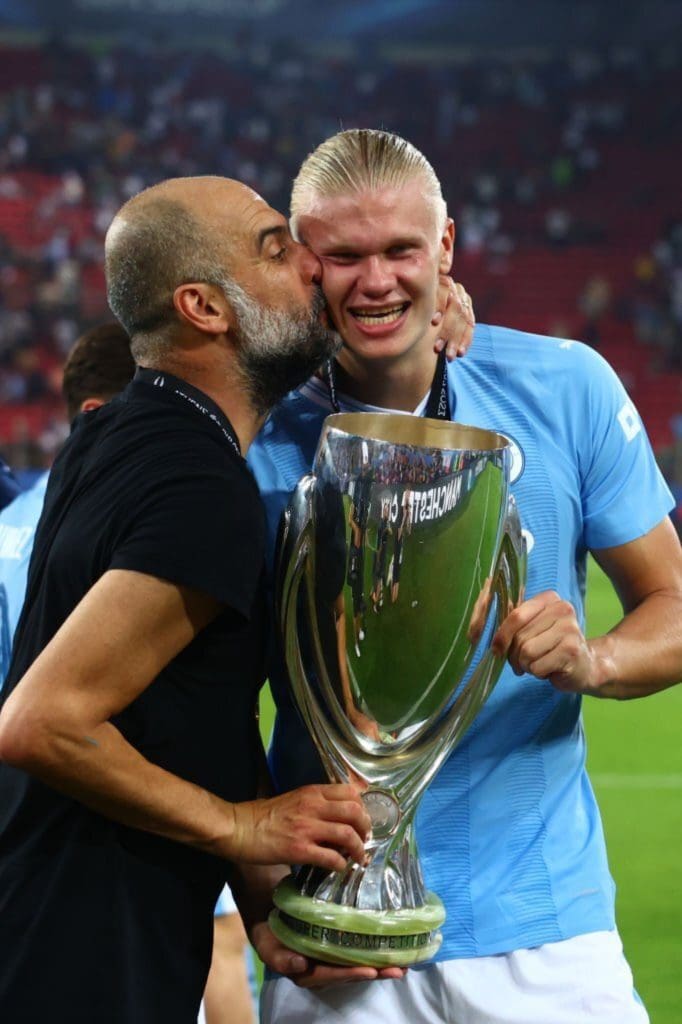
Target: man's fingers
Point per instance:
(327, 974)
(342, 791)
(544, 638)
(455, 317)
(530, 652)
(519, 618)
(308, 973)
(465, 303)
(348, 813)
(274, 955)
(392, 973)
(344, 839)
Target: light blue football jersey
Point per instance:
(18, 522)
(509, 832)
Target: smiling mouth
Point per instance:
(379, 316)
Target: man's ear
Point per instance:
(447, 245)
(204, 307)
(88, 404)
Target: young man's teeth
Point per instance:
(380, 318)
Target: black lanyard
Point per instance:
(200, 402)
(437, 406)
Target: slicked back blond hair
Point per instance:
(358, 160)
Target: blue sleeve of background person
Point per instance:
(282, 453)
(18, 522)
(623, 492)
(9, 486)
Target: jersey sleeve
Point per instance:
(201, 528)
(623, 492)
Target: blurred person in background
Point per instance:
(509, 831)
(9, 488)
(98, 367)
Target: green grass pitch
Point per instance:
(635, 761)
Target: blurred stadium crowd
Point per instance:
(562, 177)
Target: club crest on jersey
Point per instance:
(629, 421)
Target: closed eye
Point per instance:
(341, 257)
(396, 251)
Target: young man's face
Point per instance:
(381, 253)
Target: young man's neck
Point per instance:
(384, 384)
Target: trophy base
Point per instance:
(341, 935)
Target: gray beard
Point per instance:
(278, 351)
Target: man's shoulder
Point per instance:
(301, 412)
(524, 351)
(521, 366)
(293, 425)
(158, 435)
(284, 449)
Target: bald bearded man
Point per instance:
(128, 737)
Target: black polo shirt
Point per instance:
(100, 923)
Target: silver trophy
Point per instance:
(400, 556)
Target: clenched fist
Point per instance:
(543, 636)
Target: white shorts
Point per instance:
(583, 980)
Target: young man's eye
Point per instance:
(398, 250)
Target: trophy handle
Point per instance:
(296, 554)
(508, 583)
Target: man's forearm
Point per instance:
(643, 653)
(104, 772)
(316, 824)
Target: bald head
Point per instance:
(181, 230)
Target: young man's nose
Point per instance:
(375, 276)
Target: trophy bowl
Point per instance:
(399, 557)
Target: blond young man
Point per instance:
(509, 832)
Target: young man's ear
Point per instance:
(447, 245)
(204, 307)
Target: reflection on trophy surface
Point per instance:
(400, 556)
